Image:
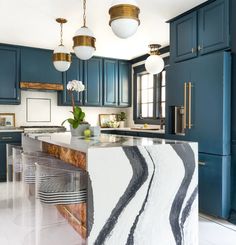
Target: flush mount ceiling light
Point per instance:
(154, 64)
(124, 18)
(84, 40)
(61, 56)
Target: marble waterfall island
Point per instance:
(139, 191)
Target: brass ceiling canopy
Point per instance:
(154, 49)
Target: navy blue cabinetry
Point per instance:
(9, 75)
(6, 138)
(93, 82)
(75, 72)
(183, 37)
(124, 84)
(214, 185)
(202, 31)
(110, 86)
(37, 66)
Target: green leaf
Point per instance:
(82, 116)
(71, 121)
(75, 124)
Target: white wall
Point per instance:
(58, 113)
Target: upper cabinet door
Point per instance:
(37, 66)
(213, 27)
(75, 72)
(183, 37)
(9, 75)
(93, 82)
(110, 82)
(124, 83)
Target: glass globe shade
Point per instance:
(61, 65)
(84, 52)
(124, 28)
(154, 64)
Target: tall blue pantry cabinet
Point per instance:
(199, 80)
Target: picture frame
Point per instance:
(7, 120)
(105, 118)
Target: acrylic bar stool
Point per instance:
(60, 189)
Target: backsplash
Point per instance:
(58, 113)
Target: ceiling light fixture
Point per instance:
(84, 40)
(124, 18)
(61, 55)
(154, 64)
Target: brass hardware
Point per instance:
(84, 41)
(185, 105)
(154, 49)
(194, 50)
(189, 105)
(201, 163)
(124, 11)
(6, 138)
(61, 57)
(61, 20)
(199, 48)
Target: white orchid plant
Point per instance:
(79, 115)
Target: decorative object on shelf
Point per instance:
(154, 64)
(84, 40)
(61, 56)
(124, 18)
(95, 130)
(108, 121)
(121, 118)
(77, 123)
(7, 120)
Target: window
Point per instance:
(149, 96)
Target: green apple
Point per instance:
(87, 133)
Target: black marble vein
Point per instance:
(130, 240)
(186, 154)
(140, 174)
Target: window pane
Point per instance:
(150, 95)
(150, 81)
(150, 110)
(163, 82)
(144, 110)
(163, 108)
(144, 79)
(144, 98)
(163, 94)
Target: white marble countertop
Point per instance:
(104, 140)
(10, 129)
(159, 131)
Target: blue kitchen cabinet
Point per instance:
(213, 26)
(110, 86)
(183, 37)
(37, 66)
(6, 138)
(124, 85)
(75, 72)
(93, 80)
(202, 31)
(9, 75)
(214, 185)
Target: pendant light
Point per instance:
(154, 64)
(84, 40)
(124, 18)
(61, 55)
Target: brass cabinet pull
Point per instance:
(194, 50)
(189, 105)
(6, 138)
(185, 105)
(201, 163)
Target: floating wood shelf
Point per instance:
(41, 86)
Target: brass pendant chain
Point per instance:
(84, 15)
(61, 35)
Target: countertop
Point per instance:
(10, 129)
(160, 131)
(104, 140)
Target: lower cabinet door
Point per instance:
(214, 185)
(2, 162)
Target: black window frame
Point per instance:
(142, 70)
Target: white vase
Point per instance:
(79, 131)
(122, 124)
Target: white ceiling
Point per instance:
(32, 23)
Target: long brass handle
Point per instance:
(201, 163)
(189, 105)
(185, 105)
(6, 138)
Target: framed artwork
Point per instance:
(7, 120)
(107, 120)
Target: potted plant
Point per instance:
(121, 117)
(77, 123)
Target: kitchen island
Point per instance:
(139, 191)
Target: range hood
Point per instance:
(41, 86)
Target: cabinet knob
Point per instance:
(194, 50)
(199, 48)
